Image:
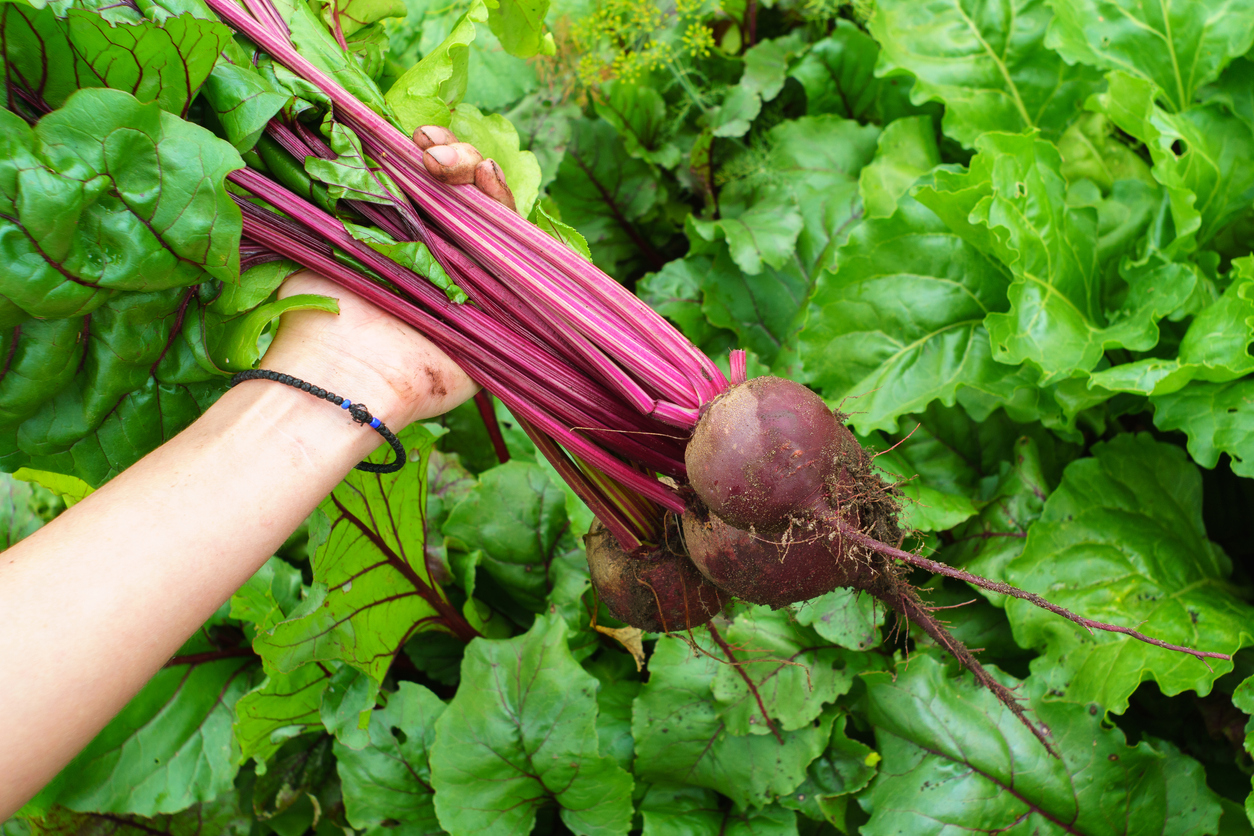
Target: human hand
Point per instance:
(370, 356)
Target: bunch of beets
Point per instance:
(704, 488)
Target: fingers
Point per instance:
(459, 163)
(429, 135)
(490, 180)
(454, 164)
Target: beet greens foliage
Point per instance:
(1012, 241)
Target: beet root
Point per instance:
(762, 453)
(809, 561)
(660, 592)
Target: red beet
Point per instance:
(660, 592)
(761, 454)
(809, 561)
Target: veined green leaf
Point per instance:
(953, 757)
(678, 810)
(428, 90)
(900, 322)
(1122, 540)
(1179, 46)
(680, 737)
(391, 780)
(906, 150)
(526, 736)
(372, 587)
(986, 62)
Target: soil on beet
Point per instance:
(661, 592)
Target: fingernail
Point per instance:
(444, 155)
(500, 175)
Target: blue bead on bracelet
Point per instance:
(358, 412)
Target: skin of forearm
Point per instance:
(96, 602)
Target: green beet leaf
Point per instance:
(1202, 155)
(347, 17)
(108, 193)
(243, 99)
(350, 174)
(519, 25)
(618, 685)
(955, 758)
(317, 45)
(220, 817)
(762, 309)
(525, 737)
(677, 810)
(794, 674)
(845, 617)
(373, 588)
(900, 322)
(1216, 418)
(347, 703)
(607, 195)
(988, 64)
(516, 518)
(170, 748)
(996, 536)
(845, 768)
(390, 780)
(680, 737)
(282, 707)
(1122, 541)
(638, 114)
(906, 151)
(426, 92)
(165, 62)
(1011, 204)
(1178, 46)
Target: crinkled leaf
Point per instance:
(524, 737)
(906, 150)
(1215, 347)
(987, 63)
(390, 779)
(956, 759)
(350, 174)
(675, 293)
(845, 768)
(1089, 149)
(495, 138)
(844, 617)
(372, 585)
(1217, 419)
(1011, 204)
(1122, 540)
(269, 595)
(165, 62)
(618, 685)
(1202, 155)
(428, 90)
(900, 322)
(517, 518)
(794, 674)
(1179, 46)
(110, 193)
(677, 810)
(680, 737)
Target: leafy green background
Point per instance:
(1012, 241)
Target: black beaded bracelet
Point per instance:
(358, 411)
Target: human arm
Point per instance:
(96, 602)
